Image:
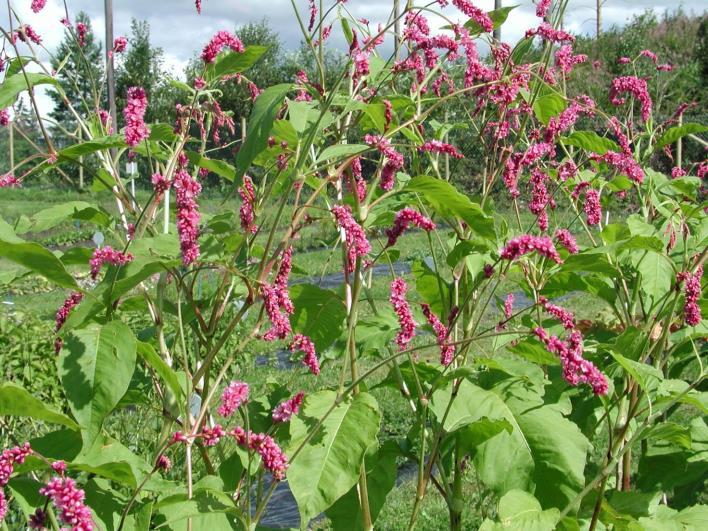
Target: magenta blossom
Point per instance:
(303, 343)
(286, 409)
(38, 5)
(69, 502)
(134, 113)
(233, 397)
(405, 218)
(120, 44)
(692, 289)
(274, 460)
(636, 87)
(222, 39)
(403, 311)
(436, 146)
(567, 240)
(107, 255)
(521, 245)
(357, 243)
(447, 350)
(186, 192)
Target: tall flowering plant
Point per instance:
(562, 421)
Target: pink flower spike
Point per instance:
(286, 409)
(403, 311)
(222, 39)
(233, 397)
(248, 200)
(593, 210)
(120, 44)
(134, 113)
(304, 344)
(447, 351)
(692, 290)
(107, 255)
(436, 146)
(357, 243)
(404, 218)
(69, 502)
(542, 8)
(636, 87)
(521, 245)
(9, 458)
(509, 306)
(38, 5)
(567, 240)
(188, 217)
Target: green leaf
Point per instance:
(668, 519)
(339, 151)
(233, 62)
(647, 376)
(91, 146)
(164, 371)
(208, 509)
(533, 351)
(162, 132)
(39, 260)
(547, 106)
(464, 249)
(519, 510)
(260, 124)
(107, 505)
(220, 167)
(442, 197)
(13, 85)
(432, 288)
(679, 131)
(319, 314)
(590, 141)
(15, 401)
(109, 459)
(330, 462)
(95, 367)
(381, 470)
(672, 433)
(498, 17)
(657, 276)
(57, 214)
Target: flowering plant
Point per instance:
(513, 402)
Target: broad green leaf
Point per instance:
(330, 462)
(519, 510)
(260, 124)
(340, 151)
(164, 371)
(432, 288)
(233, 62)
(15, 401)
(108, 504)
(25, 492)
(668, 519)
(7, 233)
(319, 314)
(590, 141)
(91, 146)
(376, 114)
(39, 260)
(208, 509)
(635, 503)
(57, 214)
(670, 432)
(14, 84)
(547, 106)
(95, 367)
(647, 376)
(220, 167)
(464, 249)
(442, 197)
(657, 276)
(381, 470)
(162, 132)
(109, 459)
(679, 131)
(532, 350)
(498, 17)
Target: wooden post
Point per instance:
(598, 18)
(396, 28)
(110, 73)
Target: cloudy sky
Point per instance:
(176, 27)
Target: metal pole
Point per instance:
(598, 19)
(110, 74)
(497, 31)
(396, 28)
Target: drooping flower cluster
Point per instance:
(163, 463)
(63, 314)
(38, 5)
(527, 243)
(276, 298)
(212, 436)
(636, 87)
(8, 180)
(357, 243)
(9, 458)
(233, 397)
(186, 191)
(542, 8)
(134, 113)
(404, 219)
(304, 344)
(576, 369)
(549, 33)
(286, 409)
(447, 350)
(160, 184)
(68, 500)
(509, 306)
(248, 199)
(436, 146)
(120, 44)
(393, 160)
(566, 61)
(403, 311)
(692, 290)
(274, 460)
(593, 210)
(222, 39)
(5, 117)
(107, 255)
(566, 317)
(474, 12)
(26, 32)
(81, 33)
(567, 240)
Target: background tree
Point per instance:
(79, 71)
